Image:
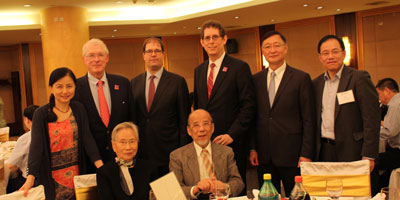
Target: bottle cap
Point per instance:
(298, 179)
(267, 176)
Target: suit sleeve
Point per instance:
(246, 115)
(88, 141)
(195, 95)
(175, 165)
(133, 103)
(183, 111)
(369, 107)
(103, 186)
(234, 180)
(307, 109)
(37, 141)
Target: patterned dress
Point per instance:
(64, 156)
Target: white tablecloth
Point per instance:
(5, 151)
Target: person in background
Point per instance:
(61, 142)
(388, 91)
(18, 160)
(127, 177)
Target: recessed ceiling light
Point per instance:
(115, 30)
(112, 36)
(199, 27)
(118, 2)
(339, 9)
(236, 17)
(184, 27)
(319, 7)
(305, 5)
(272, 20)
(174, 33)
(40, 34)
(27, 5)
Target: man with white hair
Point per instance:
(106, 97)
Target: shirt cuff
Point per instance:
(191, 193)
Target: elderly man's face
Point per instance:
(125, 144)
(96, 59)
(200, 127)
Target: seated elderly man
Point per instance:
(202, 165)
(126, 177)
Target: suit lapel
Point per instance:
(344, 81)
(87, 92)
(161, 87)
(223, 70)
(216, 160)
(192, 163)
(319, 88)
(113, 93)
(287, 75)
(263, 82)
(203, 82)
(142, 90)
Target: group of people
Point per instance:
(277, 119)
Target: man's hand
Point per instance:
(27, 185)
(216, 184)
(224, 139)
(204, 185)
(371, 163)
(253, 158)
(303, 159)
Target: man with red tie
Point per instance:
(160, 107)
(223, 86)
(106, 97)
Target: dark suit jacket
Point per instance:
(357, 123)
(185, 165)
(286, 131)
(231, 102)
(120, 106)
(109, 180)
(163, 129)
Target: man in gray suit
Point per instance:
(202, 165)
(348, 118)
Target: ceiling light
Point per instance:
(174, 33)
(199, 27)
(319, 7)
(272, 20)
(118, 2)
(184, 27)
(339, 9)
(112, 36)
(27, 5)
(236, 17)
(115, 30)
(305, 5)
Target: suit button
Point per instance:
(107, 148)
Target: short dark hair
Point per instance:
(388, 83)
(328, 37)
(271, 33)
(213, 24)
(153, 39)
(29, 111)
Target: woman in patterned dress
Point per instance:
(61, 144)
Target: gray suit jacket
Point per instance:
(357, 123)
(183, 162)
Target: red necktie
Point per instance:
(151, 92)
(210, 79)
(104, 112)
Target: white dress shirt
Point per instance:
(217, 66)
(278, 76)
(106, 89)
(202, 168)
(156, 80)
(19, 155)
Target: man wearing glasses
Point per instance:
(160, 107)
(223, 86)
(106, 97)
(285, 116)
(347, 107)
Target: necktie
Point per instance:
(210, 79)
(271, 89)
(104, 112)
(207, 164)
(151, 92)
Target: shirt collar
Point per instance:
(157, 74)
(217, 62)
(280, 69)
(94, 80)
(199, 149)
(338, 74)
(394, 99)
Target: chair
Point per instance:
(394, 185)
(36, 193)
(86, 187)
(355, 177)
(4, 134)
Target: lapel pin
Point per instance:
(225, 69)
(116, 87)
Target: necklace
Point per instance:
(62, 110)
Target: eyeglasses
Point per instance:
(125, 142)
(198, 125)
(93, 56)
(334, 52)
(151, 51)
(213, 37)
(268, 47)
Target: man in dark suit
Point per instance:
(223, 86)
(106, 97)
(160, 107)
(347, 108)
(284, 134)
(202, 166)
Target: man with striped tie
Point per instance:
(202, 165)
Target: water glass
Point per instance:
(334, 187)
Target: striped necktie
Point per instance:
(207, 163)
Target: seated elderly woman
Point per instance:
(126, 177)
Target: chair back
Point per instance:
(355, 177)
(4, 134)
(85, 187)
(36, 193)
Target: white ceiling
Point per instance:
(19, 24)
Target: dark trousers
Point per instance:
(386, 162)
(327, 152)
(286, 174)
(15, 183)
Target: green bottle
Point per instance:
(268, 191)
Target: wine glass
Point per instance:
(221, 192)
(334, 187)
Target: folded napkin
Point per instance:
(36, 193)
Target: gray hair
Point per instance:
(124, 125)
(94, 41)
